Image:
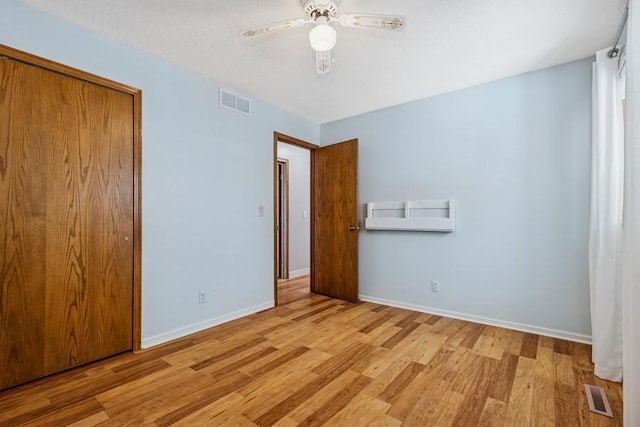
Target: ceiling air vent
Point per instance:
(234, 102)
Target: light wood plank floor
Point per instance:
(290, 290)
(321, 361)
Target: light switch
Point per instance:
(260, 210)
(305, 214)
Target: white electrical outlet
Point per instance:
(202, 297)
(435, 286)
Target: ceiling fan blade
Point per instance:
(361, 20)
(323, 62)
(272, 28)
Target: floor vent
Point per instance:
(234, 102)
(598, 401)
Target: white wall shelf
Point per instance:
(411, 215)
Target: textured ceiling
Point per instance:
(447, 45)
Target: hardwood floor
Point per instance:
(321, 361)
(290, 290)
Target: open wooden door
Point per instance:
(335, 227)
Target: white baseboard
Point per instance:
(297, 273)
(569, 336)
(206, 324)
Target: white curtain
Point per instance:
(605, 239)
(631, 230)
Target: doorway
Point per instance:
(293, 225)
(332, 219)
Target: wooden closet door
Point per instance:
(66, 222)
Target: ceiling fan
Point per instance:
(322, 37)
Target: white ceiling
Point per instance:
(447, 45)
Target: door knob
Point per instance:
(353, 228)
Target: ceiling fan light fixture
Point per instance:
(321, 14)
(322, 37)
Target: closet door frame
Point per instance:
(56, 67)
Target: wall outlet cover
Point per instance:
(435, 286)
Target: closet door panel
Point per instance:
(23, 210)
(89, 225)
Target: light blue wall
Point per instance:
(205, 171)
(515, 156)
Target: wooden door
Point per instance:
(282, 218)
(335, 225)
(66, 222)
